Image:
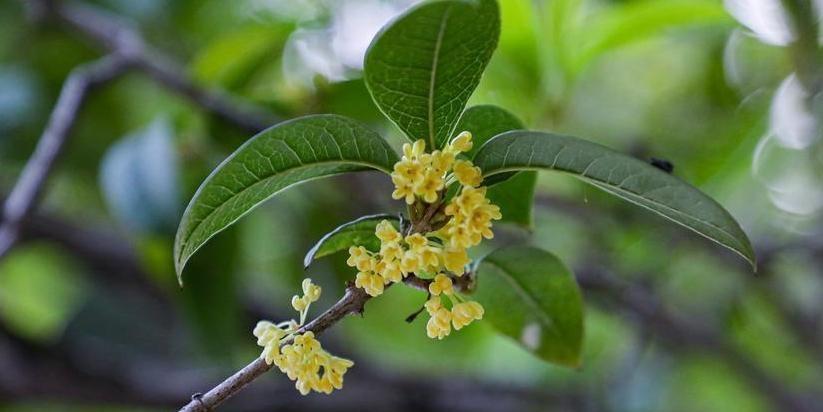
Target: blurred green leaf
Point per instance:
(139, 177)
(515, 196)
(282, 156)
(531, 297)
(422, 68)
(40, 289)
(623, 176)
(232, 58)
(640, 20)
(210, 299)
(358, 232)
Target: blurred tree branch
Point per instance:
(681, 334)
(116, 36)
(127, 49)
(29, 186)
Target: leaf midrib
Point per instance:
(433, 77)
(611, 188)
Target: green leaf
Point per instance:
(621, 175)
(422, 68)
(232, 59)
(636, 21)
(358, 232)
(531, 297)
(486, 121)
(515, 196)
(282, 156)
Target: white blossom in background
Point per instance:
(765, 18)
(792, 177)
(335, 51)
(786, 160)
(791, 119)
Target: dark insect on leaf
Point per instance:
(662, 164)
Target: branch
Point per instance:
(112, 33)
(680, 333)
(352, 301)
(26, 192)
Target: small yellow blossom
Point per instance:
(390, 271)
(410, 262)
(391, 251)
(310, 291)
(462, 143)
(465, 312)
(268, 336)
(441, 162)
(300, 356)
(455, 259)
(386, 232)
(356, 255)
(371, 282)
(299, 304)
(441, 284)
(429, 186)
(413, 151)
(416, 242)
(467, 173)
(439, 324)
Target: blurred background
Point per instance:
(92, 318)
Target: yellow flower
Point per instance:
(391, 251)
(299, 304)
(471, 217)
(441, 284)
(302, 361)
(386, 232)
(459, 236)
(462, 143)
(416, 242)
(439, 325)
(429, 258)
(441, 162)
(390, 271)
(356, 255)
(455, 259)
(371, 282)
(412, 152)
(466, 312)
(268, 336)
(311, 291)
(410, 262)
(429, 186)
(403, 190)
(467, 173)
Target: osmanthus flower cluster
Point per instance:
(438, 251)
(300, 355)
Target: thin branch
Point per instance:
(680, 333)
(112, 33)
(26, 192)
(352, 302)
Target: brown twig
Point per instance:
(352, 302)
